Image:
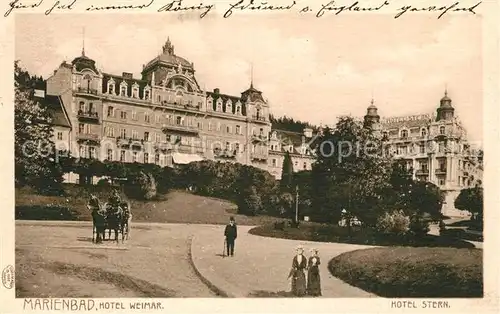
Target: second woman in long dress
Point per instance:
(299, 264)
(313, 278)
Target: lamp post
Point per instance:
(297, 203)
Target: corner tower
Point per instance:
(445, 110)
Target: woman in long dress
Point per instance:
(299, 264)
(313, 277)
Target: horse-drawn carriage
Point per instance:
(112, 217)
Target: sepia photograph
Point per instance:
(161, 156)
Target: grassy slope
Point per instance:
(175, 207)
(413, 272)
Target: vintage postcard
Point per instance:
(249, 156)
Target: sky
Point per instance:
(310, 69)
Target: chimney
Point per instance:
(127, 75)
(39, 93)
(308, 132)
(216, 90)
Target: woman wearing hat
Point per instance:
(299, 264)
(313, 278)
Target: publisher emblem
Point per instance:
(8, 277)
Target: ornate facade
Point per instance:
(165, 118)
(434, 147)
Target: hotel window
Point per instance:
(134, 115)
(135, 135)
(200, 125)
(87, 129)
(135, 92)
(82, 151)
(134, 156)
(210, 104)
(228, 129)
(237, 147)
(146, 94)
(442, 165)
(159, 98)
(92, 152)
(238, 109)
(111, 88)
(122, 156)
(59, 136)
(296, 163)
(81, 128)
(146, 158)
(109, 155)
(238, 129)
(81, 106)
(229, 107)
(218, 126)
(123, 90)
(210, 126)
(91, 108)
(146, 136)
(404, 133)
(228, 146)
(111, 111)
(123, 133)
(423, 132)
(147, 118)
(305, 166)
(219, 105)
(157, 118)
(422, 148)
(441, 147)
(123, 114)
(178, 120)
(274, 162)
(261, 132)
(158, 138)
(157, 159)
(441, 130)
(162, 160)
(441, 181)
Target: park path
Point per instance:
(262, 264)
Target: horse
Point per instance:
(98, 223)
(113, 219)
(126, 221)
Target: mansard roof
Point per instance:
(224, 97)
(119, 79)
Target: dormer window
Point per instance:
(404, 133)
(238, 108)
(210, 103)
(135, 91)
(229, 106)
(423, 132)
(441, 130)
(111, 86)
(147, 93)
(257, 114)
(219, 105)
(123, 89)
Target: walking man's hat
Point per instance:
(231, 218)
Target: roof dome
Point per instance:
(445, 101)
(168, 56)
(83, 62)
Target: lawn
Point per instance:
(309, 231)
(174, 207)
(413, 272)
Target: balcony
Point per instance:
(259, 118)
(440, 171)
(123, 141)
(259, 156)
(88, 116)
(85, 90)
(422, 172)
(259, 138)
(180, 128)
(88, 137)
(188, 149)
(225, 153)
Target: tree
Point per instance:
(250, 202)
(350, 173)
(471, 200)
(35, 162)
(286, 182)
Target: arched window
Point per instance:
(111, 87)
(178, 120)
(135, 91)
(219, 104)
(210, 103)
(441, 130)
(238, 108)
(404, 133)
(229, 106)
(123, 89)
(147, 93)
(86, 82)
(423, 132)
(81, 106)
(257, 114)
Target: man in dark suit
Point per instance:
(231, 234)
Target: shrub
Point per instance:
(394, 223)
(250, 202)
(419, 227)
(142, 186)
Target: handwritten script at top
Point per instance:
(233, 7)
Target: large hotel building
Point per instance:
(164, 117)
